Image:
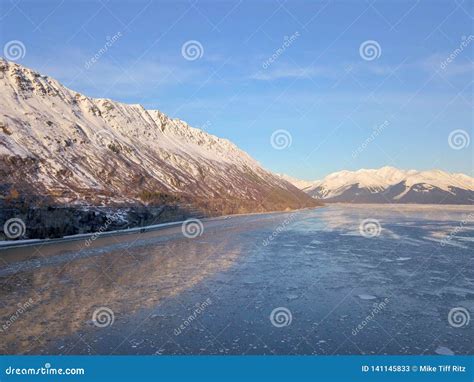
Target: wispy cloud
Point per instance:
(108, 78)
(438, 63)
(293, 72)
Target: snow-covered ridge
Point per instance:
(120, 115)
(58, 142)
(389, 176)
(391, 184)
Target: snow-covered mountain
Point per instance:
(392, 185)
(62, 147)
(299, 183)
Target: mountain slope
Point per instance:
(392, 185)
(60, 147)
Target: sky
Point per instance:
(305, 87)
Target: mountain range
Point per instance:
(60, 147)
(391, 185)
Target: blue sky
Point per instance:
(319, 88)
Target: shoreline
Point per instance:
(417, 205)
(9, 244)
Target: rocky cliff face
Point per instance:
(60, 147)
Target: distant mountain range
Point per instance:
(391, 185)
(60, 147)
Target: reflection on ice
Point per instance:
(65, 297)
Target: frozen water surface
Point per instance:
(308, 282)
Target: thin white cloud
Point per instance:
(438, 63)
(107, 78)
(292, 72)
